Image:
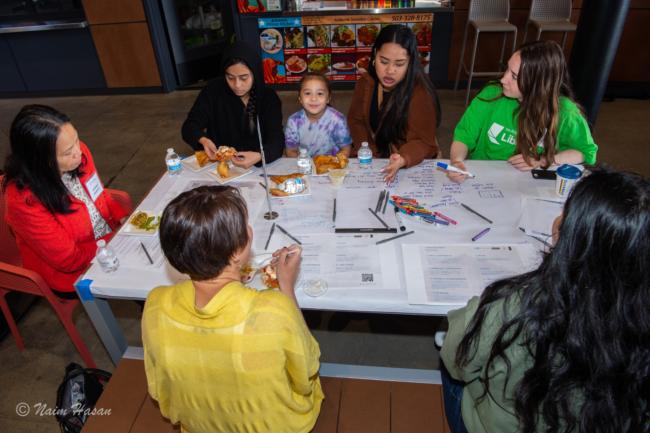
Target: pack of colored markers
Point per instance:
(411, 207)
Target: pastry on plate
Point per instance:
(325, 163)
(270, 277)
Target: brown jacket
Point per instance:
(421, 133)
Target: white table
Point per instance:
(497, 192)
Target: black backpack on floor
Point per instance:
(77, 395)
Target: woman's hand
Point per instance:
(519, 162)
(246, 159)
(209, 147)
(457, 177)
(287, 264)
(395, 162)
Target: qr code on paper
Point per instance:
(367, 278)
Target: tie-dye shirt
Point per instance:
(326, 136)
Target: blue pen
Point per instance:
(480, 234)
(449, 167)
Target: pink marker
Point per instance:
(444, 217)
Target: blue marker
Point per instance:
(449, 167)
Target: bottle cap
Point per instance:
(101, 243)
(170, 150)
(365, 143)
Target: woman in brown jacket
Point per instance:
(394, 107)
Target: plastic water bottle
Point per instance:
(106, 257)
(304, 162)
(365, 156)
(173, 162)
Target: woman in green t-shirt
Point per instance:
(529, 118)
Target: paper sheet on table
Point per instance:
(345, 262)
(131, 255)
(538, 216)
(352, 209)
(452, 274)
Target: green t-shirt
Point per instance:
(489, 128)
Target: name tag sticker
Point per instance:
(94, 187)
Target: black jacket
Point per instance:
(220, 115)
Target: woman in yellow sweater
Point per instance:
(219, 356)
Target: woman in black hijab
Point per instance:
(226, 111)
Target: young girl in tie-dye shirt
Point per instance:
(319, 128)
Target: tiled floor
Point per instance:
(128, 136)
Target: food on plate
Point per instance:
(343, 36)
(223, 169)
(282, 177)
(247, 272)
(294, 38)
(367, 34)
(343, 66)
(225, 153)
(202, 158)
(270, 67)
(271, 41)
(296, 65)
(287, 184)
(318, 63)
(422, 33)
(143, 221)
(319, 37)
(424, 58)
(325, 163)
(270, 277)
(362, 63)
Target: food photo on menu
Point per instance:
(296, 64)
(343, 64)
(366, 34)
(318, 37)
(363, 60)
(319, 63)
(422, 33)
(294, 38)
(425, 59)
(343, 36)
(272, 43)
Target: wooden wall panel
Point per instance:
(113, 11)
(632, 61)
(126, 55)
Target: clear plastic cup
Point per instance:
(337, 175)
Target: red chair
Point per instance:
(15, 278)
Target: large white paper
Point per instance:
(538, 216)
(452, 274)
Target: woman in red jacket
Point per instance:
(55, 202)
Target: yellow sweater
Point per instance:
(245, 362)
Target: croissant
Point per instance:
(223, 169)
(325, 163)
(278, 179)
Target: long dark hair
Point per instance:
(393, 116)
(583, 316)
(250, 113)
(32, 162)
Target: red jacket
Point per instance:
(58, 246)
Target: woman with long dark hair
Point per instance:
(226, 111)
(394, 107)
(529, 118)
(56, 204)
(566, 347)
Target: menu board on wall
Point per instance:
(338, 46)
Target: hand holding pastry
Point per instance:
(246, 159)
(209, 148)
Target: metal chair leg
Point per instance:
(539, 33)
(471, 68)
(525, 32)
(564, 36)
(503, 50)
(461, 62)
(514, 42)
